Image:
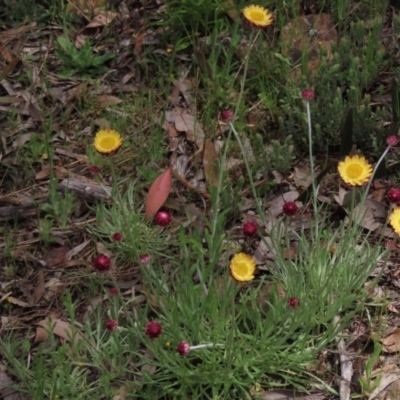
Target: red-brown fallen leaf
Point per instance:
(39, 288)
(139, 42)
(6, 53)
(105, 100)
(158, 193)
(391, 343)
(55, 256)
(210, 157)
(9, 68)
(63, 329)
(289, 253)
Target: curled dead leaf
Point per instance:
(158, 193)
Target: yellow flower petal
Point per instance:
(242, 267)
(107, 141)
(394, 220)
(355, 170)
(257, 16)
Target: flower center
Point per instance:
(241, 269)
(257, 16)
(354, 171)
(107, 142)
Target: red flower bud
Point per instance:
(293, 302)
(394, 195)
(144, 258)
(249, 228)
(112, 325)
(392, 140)
(290, 208)
(307, 94)
(162, 218)
(94, 170)
(117, 237)
(183, 348)
(226, 115)
(102, 263)
(113, 291)
(153, 329)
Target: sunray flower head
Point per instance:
(107, 141)
(257, 16)
(394, 220)
(242, 267)
(355, 170)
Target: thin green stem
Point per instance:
(376, 168)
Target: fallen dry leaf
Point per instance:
(369, 214)
(185, 122)
(210, 164)
(158, 193)
(39, 288)
(63, 329)
(385, 380)
(55, 256)
(391, 343)
(302, 176)
(105, 100)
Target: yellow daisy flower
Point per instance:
(355, 170)
(394, 220)
(257, 16)
(107, 141)
(242, 267)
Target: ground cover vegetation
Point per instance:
(199, 199)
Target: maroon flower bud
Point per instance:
(290, 208)
(113, 291)
(102, 263)
(153, 329)
(390, 244)
(394, 195)
(249, 228)
(183, 348)
(94, 170)
(307, 94)
(117, 237)
(144, 258)
(162, 218)
(293, 302)
(392, 140)
(226, 115)
(111, 325)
